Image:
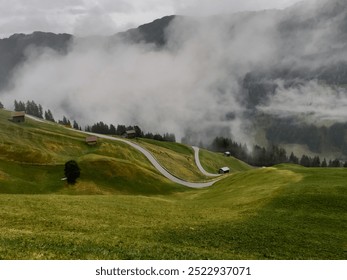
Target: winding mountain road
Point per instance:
(152, 159)
(155, 163)
(198, 163)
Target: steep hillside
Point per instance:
(213, 161)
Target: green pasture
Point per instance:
(274, 213)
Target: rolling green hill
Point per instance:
(33, 154)
(132, 212)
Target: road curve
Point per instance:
(150, 157)
(155, 163)
(198, 163)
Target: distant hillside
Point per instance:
(13, 50)
(150, 33)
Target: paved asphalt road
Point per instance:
(198, 164)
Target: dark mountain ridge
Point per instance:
(150, 33)
(13, 50)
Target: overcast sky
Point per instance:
(88, 17)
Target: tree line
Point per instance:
(285, 130)
(36, 110)
(272, 155)
(103, 128)
(33, 109)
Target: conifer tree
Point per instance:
(75, 125)
(305, 161)
(49, 116)
(293, 159)
(112, 130)
(316, 162)
(19, 106)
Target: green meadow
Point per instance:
(122, 208)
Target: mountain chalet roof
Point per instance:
(91, 140)
(18, 117)
(18, 114)
(131, 133)
(224, 170)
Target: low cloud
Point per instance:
(195, 84)
(187, 87)
(207, 7)
(81, 17)
(310, 102)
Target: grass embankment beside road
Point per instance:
(177, 158)
(212, 162)
(287, 212)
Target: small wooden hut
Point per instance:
(18, 117)
(91, 140)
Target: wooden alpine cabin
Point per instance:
(131, 133)
(92, 140)
(224, 170)
(18, 117)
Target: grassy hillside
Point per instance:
(176, 158)
(211, 162)
(33, 154)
